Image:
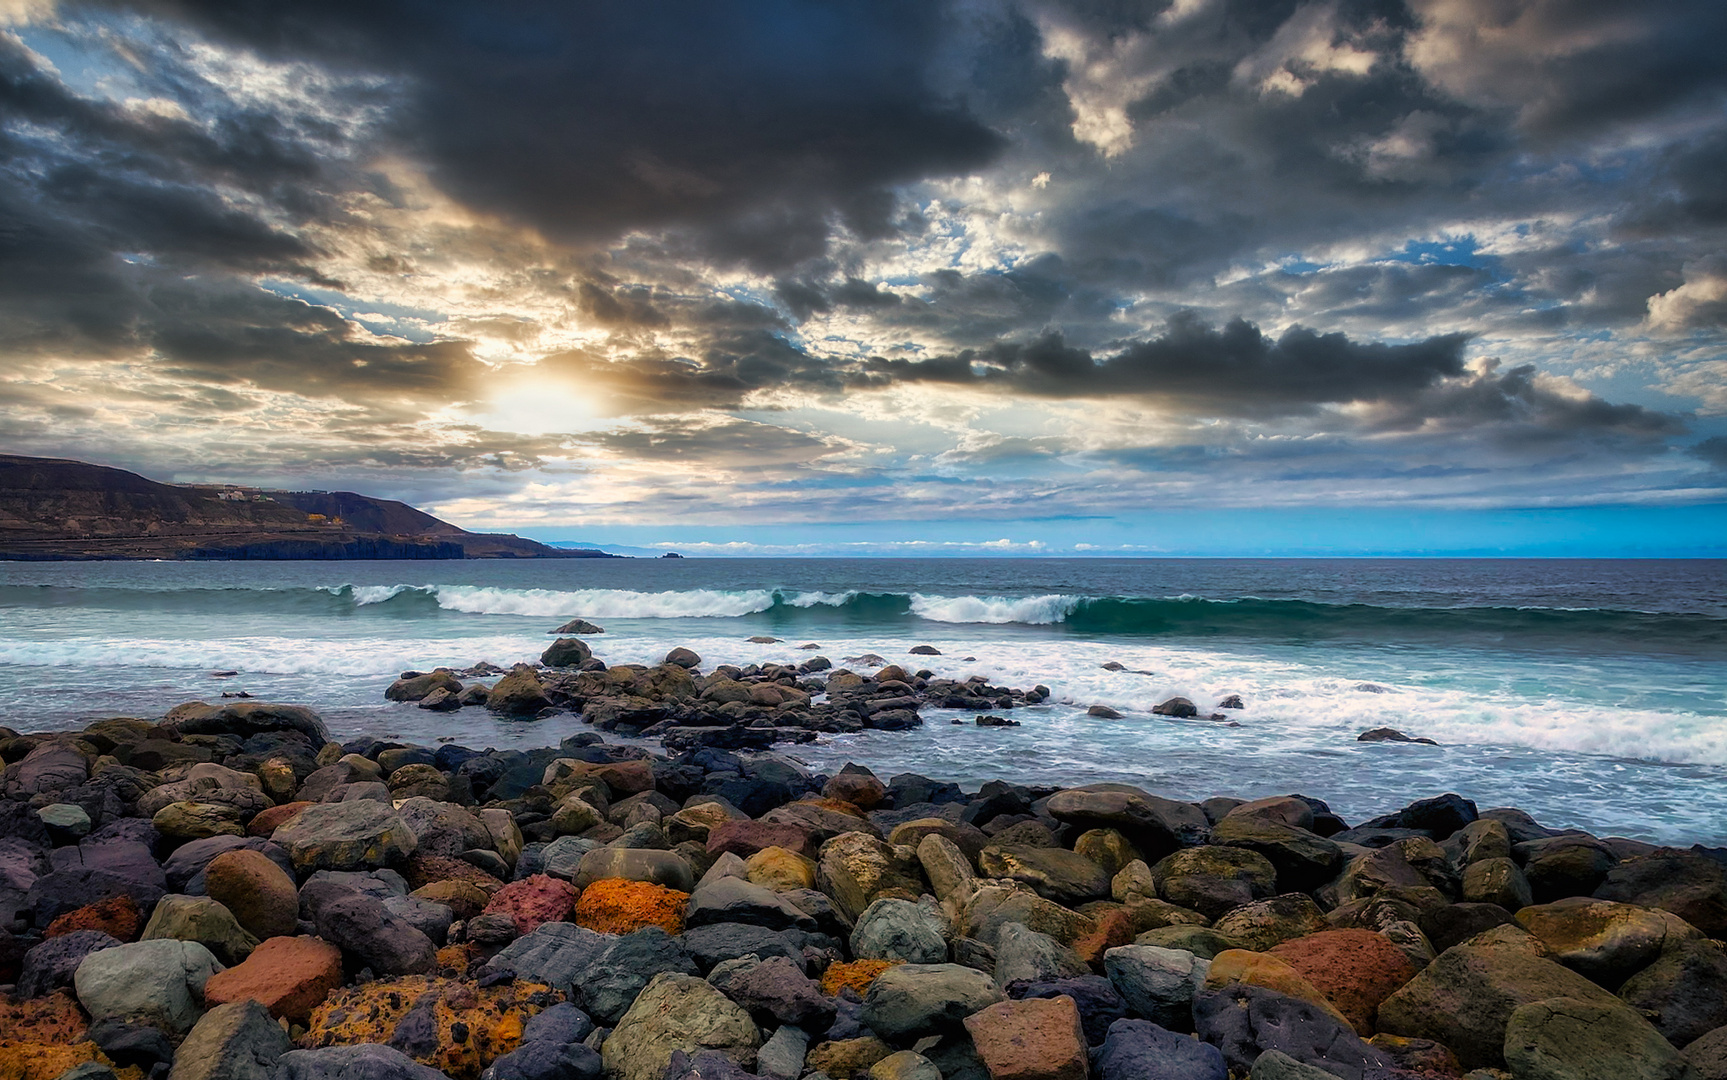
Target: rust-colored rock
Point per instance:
(117, 916)
(43, 1061)
(534, 901)
(290, 976)
(1354, 969)
(860, 789)
(423, 870)
(54, 1019)
(1033, 1039)
(268, 821)
(744, 838)
(454, 1027)
(857, 974)
(263, 898)
(617, 906)
(1110, 929)
(1263, 969)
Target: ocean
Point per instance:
(1591, 693)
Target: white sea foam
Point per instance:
(603, 603)
(1036, 610)
(815, 599)
(374, 594)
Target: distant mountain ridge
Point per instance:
(55, 508)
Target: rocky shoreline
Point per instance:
(225, 893)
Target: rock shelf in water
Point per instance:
(225, 893)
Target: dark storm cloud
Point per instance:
(1235, 370)
(1713, 451)
(1527, 410)
(762, 126)
(727, 444)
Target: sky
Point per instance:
(968, 277)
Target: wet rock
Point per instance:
(417, 685)
(1605, 941)
(1103, 712)
(1246, 1021)
(684, 658)
(160, 982)
(1690, 885)
(1034, 1039)
(520, 693)
(203, 920)
(1176, 706)
(677, 1012)
(1566, 1039)
(893, 929)
(1141, 1050)
(1385, 734)
(1213, 880)
(911, 1000)
(289, 976)
(262, 898)
(1157, 984)
(1683, 992)
(345, 836)
(566, 652)
(237, 1041)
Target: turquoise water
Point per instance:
(1591, 693)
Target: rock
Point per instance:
(180, 821)
(464, 899)
(855, 867)
(1176, 706)
(1561, 866)
(1157, 984)
(782, 1056)
(547, 1059)
(47, 769)
(1066, 877)
(1565, 1039)
(262, 898)
(201, 919)
(1465, 998)
(1201, 941)
(1156, 826)
(363, 927)
(1496, 881)
(441, 828)
(892, 929)
(1267, 971)
(777, 990)
(1356, 970)
(456, 1027)
(945, 865)
(1140, 1050)
(677, 1012)
(856, 975)
(237, 1041)
(780, 870)
(861, 789)
(910, 1000)
(1103, 712)
(904, 1065)
(635, 864)
(1264, 923)
(567, 652)
(683, 658)
(534, 901)
(1605, 941)
(67, 821)
(745, 838)
(556, 954)
(1683, 992)
(1303, 859)
(843, 1058)
(1026, 956)
(520, 693)
(1035, 1039)
(160, 982)
(117, 916)
(575, 815)
(735, 900)
(1213, 880)
(345, 836)
(1277, 1065)
(1385, 734)
(289, 976)
(416, 686)
(987, 910)
(615, 906)
(1690, 885)
(1708, 1055)
(577, 626)
(366, 1061)
(1245, 1021)
(51, 965)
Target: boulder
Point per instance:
(159, 982)
(51, 965)
(1155, 825)
(1683, 992)
(1707, 1056)
(366, 1061)
(904, 1065)
(1277, 1065)
(615, 906)
(849, 1057)
(366, 929)
(715, 944)
(677, 1012)
(556, 954)
(1025, 956)
(1303, 859)
(854, 868)
(945, 865)
(236, 1041)
(1264, 923)
(417, 685)
(1690, 885)
(1246, 1021)
(289, 976)
(455, 1027)
(1065, 877)
(534, 901)
(1603, 940)
(1141, 1050)
(117, 916)
(519, 693)
(782, 1056)
(1566, 1039)
(261, 896)
(894, 929)
(1157, 984)
(1356, 970)
(777, 990)
(362, 835)
(780, 870)
(1213, 880)
(734, 900)
(566, 652)
(913, 1000)
(1267, 971)
(1033, 1039)
(1465, 998)
(204, 920)
(635, 864)
(1561, 866)
(1496, 881)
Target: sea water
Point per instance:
(1591, 693)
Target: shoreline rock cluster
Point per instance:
(225, 893)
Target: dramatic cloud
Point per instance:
(590, 265)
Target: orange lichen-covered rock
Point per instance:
(44, 1061)
(290, 976)
(1354, 969)
(616, 906)
(118, 916)
(455, 960)
(534, 901)
(857, 974)
(454, 1027)
(54, 1019)
(268, 821)
(422, 870)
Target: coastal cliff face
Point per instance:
(52, 509)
